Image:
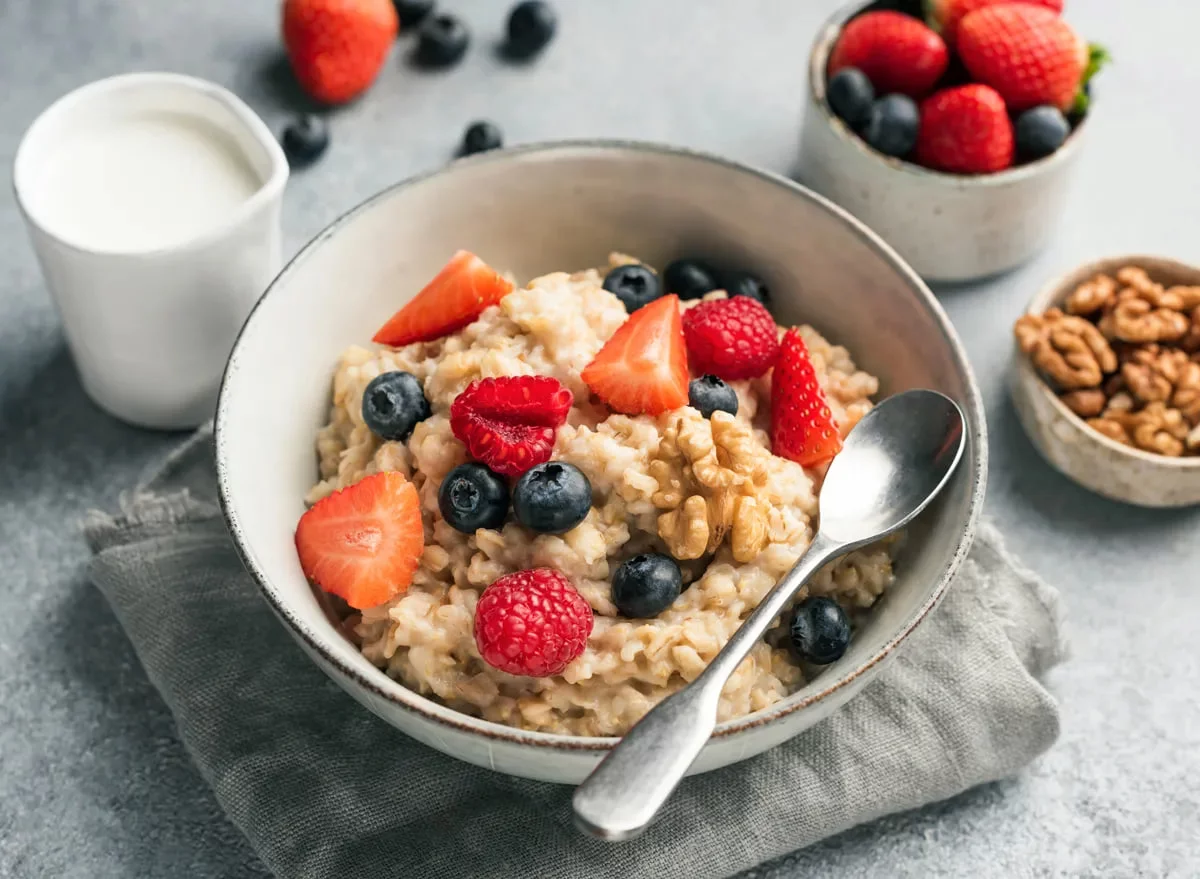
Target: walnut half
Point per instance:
(1067, 349)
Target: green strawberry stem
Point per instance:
(1098, 56)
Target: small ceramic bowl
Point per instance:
(566, 206)
(1065, 440)
(949, 227)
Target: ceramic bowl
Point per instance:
(1064, 439)
(949, 227)
(566, 206)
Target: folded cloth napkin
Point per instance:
(322, 788)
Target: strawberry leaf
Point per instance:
(1098, 57)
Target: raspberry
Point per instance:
(509, 423)
(532, 623)
(730, 338)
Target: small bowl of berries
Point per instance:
(951, 127)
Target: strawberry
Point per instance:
(509, 423)
(897, 52)
(802, 427)
(643, 367)
(363, 543)
(459, 294)
(945, 15)
(1026, 53)
(338, 46)
(965, 130)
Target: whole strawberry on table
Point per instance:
(962, 86)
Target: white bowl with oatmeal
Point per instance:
(1106, 378)
(551, 216)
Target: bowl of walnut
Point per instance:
(1106, 378)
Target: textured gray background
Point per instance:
(93, 782)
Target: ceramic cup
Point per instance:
(150, 327)
(949, 227)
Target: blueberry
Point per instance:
(443, 41)
(892, 124)
(646, 585)
(689, 278)
(531, 26)
(305, 139)
(634, 284)
(412, 12)
(709, 394)
(392, 405)
(473, 497)
(745, 284)
(552, 498)
(820, 630)
(480, 137)
(850, 95)
(1041, 131)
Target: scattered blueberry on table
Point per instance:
(689, 278)
(850, 95)
(305, 140)
(442, 42)
(1040, 132)
(552, 498)
(473, 497)
(634, 284)
(393, 403)
(820, 631)
(531, 26)
(412, 12)
(709, 394)
(892, 125)
(646, 585)
(480, 137)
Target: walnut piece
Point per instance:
(1159, 429)
(1191, 339)
(1186, 397)
(1137, 320)
(1067, 349)
(1111, 428)
(685, 530)
(1086, 403)
(1091, 296)
(711, 475)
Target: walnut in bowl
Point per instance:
(1106, 378)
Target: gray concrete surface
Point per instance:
(93, 782)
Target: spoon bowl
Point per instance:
(894, 462)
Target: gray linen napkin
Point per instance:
(322, 788)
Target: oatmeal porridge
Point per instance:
(691, 517)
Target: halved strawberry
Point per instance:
(459, 294)
(363, 543)
(643, 368)
(802, 427)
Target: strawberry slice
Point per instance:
(802, 427)
(363, 543)
(509, 423)
(459, 294)
(643, 368)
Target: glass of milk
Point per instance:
(153, 204)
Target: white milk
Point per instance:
(143, 182)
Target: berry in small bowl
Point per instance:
(951, 127)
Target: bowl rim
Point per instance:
(818, 59)
(1053, 293)
(395, 694)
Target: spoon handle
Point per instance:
(621, 796)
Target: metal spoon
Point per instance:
(894, 463)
